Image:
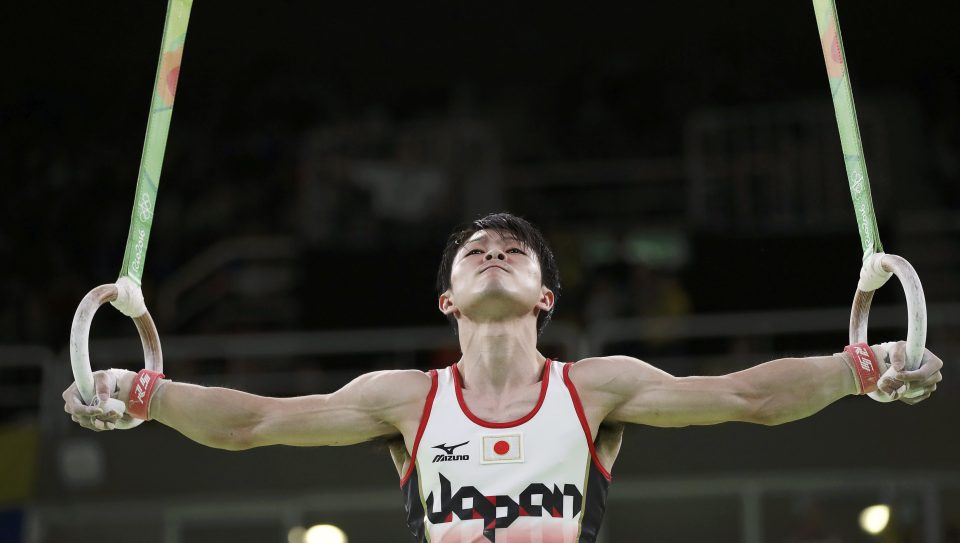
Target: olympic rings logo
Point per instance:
(857, 184)
(145, 207)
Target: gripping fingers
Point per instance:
(917, 394)
(917, 388)
(85, 422)
(932, 381)
(73, 404)
(923, 380)
(890, 385)
(94, 423)
(929, 366)
(918, 399)
(89, 417)
(105, 417)
(105, 408)
(82, 410)
(103, 425)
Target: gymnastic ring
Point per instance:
(916, 313)
(79, 344)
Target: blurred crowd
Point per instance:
(373, 181)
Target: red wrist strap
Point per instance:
(864, 366)
(141, 392)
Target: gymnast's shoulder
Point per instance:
(611, 373)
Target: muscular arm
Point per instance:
(371, 406)
(629, 390)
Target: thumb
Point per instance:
(105, 383)
(891, 354)
(898, 355)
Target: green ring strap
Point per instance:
(831, 44)
(155, 142)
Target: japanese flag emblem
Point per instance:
(502, 449)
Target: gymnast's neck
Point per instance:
(499, 356)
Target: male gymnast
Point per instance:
(505, 443)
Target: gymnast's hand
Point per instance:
(924, 378)
(109, 384)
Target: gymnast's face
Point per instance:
(495, 277)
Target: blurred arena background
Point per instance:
(682, 158)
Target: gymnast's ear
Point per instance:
(447, 306)
(547, 299)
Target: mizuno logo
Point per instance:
(449, 449)
(449, 456)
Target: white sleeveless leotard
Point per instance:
(536, 479)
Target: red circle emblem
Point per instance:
(501, 447)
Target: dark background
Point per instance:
(571, 83)
(597, 122)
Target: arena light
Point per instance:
(324, 533)
(296, 534)
(874, 519)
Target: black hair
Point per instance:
(514, 227)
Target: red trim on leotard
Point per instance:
(583, 420)
(487, 424)
(427, 407)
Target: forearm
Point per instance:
(215, 417)
(793, 388)
(235, 420)
(624, 389)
